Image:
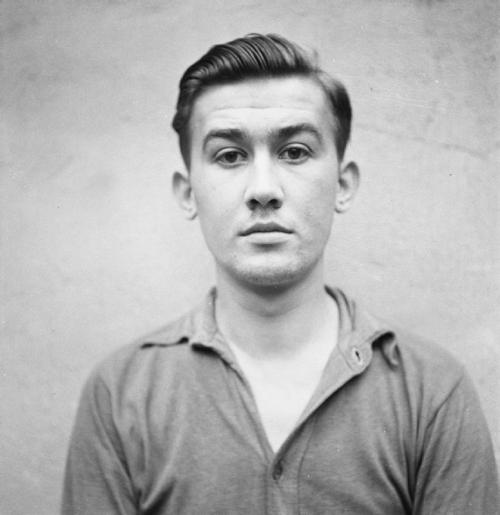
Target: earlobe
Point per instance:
(348, 184)
(183, 192)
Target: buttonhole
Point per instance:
(357, 356)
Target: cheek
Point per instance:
(213, 208)
(321, 199)
(319, 212)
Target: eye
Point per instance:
(230, 157)
(295, 154)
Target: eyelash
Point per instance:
(221, 157)
(305, 153)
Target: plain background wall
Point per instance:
(94, 251)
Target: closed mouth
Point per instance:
(265, 227)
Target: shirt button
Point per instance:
(278, 471)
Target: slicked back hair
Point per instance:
(257, 56)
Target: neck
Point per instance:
(273, 322)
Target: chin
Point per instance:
(267, 276)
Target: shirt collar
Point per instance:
(358, 332)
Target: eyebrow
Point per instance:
(281, 133)
(232, 134)
(291, 130)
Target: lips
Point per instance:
(263, 227)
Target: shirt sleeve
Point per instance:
(96, 477)
(457, 472)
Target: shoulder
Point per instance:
(424, 371)
(424, 384)
(426, 358)
(428, 365)
(429, 377)
(141, 364)
(408, 354)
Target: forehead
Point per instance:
(261, 104)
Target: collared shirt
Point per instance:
(169, 425)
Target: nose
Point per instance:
(263, 187)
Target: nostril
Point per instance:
(273, 203)
(252, 204)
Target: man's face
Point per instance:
(264, 177)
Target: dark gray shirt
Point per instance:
(168, 425)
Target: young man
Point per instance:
(276, 395)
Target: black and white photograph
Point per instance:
(250, 257)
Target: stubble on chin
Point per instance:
(270, 275)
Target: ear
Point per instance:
(348, 183)
(183, 192)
